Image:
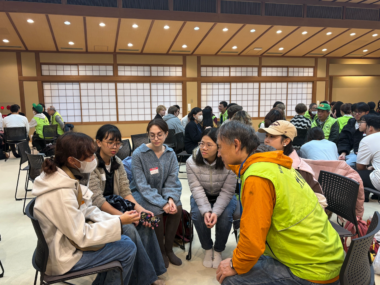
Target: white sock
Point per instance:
(217, 259)
(207, 261)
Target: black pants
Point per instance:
(364, 175)
(38, 143)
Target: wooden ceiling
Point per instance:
(97, 34)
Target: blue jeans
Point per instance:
(123, 251)
(223, 226)
(351, 160)
(148, 262)
(268, 271)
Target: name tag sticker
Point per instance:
(154, 171)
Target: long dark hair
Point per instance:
(110, 132)
(289, 147)
(212, 134)
(336, 108)
(315, 134)
(193, 112)
(207, 118)
(77, 145)
(274, 115)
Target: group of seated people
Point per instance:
(91, 213)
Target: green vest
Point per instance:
(300, 235)
(342, 121)
(40, 125)
(307, 115)
(223, 117)
(326, 126)
(54, 122)
(263, 122)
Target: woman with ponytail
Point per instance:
(79, 236)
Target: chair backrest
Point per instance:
(180, 142)
(125, 151)
(41, 254)
(341, 194)
(356, 268)
(35, 165)
(138, 140)
(300, 139)
(50, 131)
(15, 134)
(170, 139)
(23, 149)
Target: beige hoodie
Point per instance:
(56, 209)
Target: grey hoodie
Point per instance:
(174, 123)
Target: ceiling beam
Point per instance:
(281, 40)
(117, 34)
(360, 47)
(304, 41)
(77, 10)
(255, 40)
(85, 33)
(230, 39)
(17, 32)
(52, 33)
(209, 31)
(147, 36)
(175, 38)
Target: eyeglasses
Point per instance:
(114, 145)
(204, 145)
(153, 136)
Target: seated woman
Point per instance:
(193, 130)
(63, 206)
(243, 117)
(156, 186)
(109, 178)
(317, 147)
(160, 112)
(273, 115)
(280, 135)
(299, 120)
(212, 202)
(345, 111)
(39, 121)
(207, 121)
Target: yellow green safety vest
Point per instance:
(300, 235)
(342, 121)
(223, 117)
(326, 126)
(307, 115)
(40, 125)
(54, 122)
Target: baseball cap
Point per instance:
(38, 108)
(279, 128)
(324, 106)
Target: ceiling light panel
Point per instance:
(37, 36)
(101, 39)
(65, 33)
(129, 34)
(30, 21)
(244, 38)
(11, 35)
(160, 40)
(190, 36)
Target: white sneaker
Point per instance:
(207, 260)
(217, 259)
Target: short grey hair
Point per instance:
(236, 130)
(52, 108)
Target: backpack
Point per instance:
(49, 150)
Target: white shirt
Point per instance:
(369, 153)
(16, 121)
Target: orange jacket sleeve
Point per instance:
(258, 200)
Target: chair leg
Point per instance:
(18, 178)
(26, 193)
(35, 278)
(2, 270)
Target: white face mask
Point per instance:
(87, 167)
(314, 112)
(200, 118)
(34, 113)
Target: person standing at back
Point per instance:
(56, 119)
(328, 124)
(39, 121)
(223, 112)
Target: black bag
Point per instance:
(49, 150)
(119, 203)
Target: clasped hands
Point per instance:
(133, 217)
(210, 219)
(170, 207)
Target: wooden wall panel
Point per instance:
(192, 95)
(321, 91)
(149, 59)
(321, 72)
(354, 69)
(346, 89)
(284, 61)
(191, 66)
(31, 96)
(75, 58)
(28, 61)
(9, 84)
(229, 60)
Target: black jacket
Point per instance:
(193, 136)
(349, 138)
(158, 116)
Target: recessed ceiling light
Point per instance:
(225, 30)
(304, 33)
(328, 33)
(135, 26)
(166, 27)
(253, 30)
(234, 47)
(5, 41)
(365, 50)
(257, 48)
(352, 34)
(374, 35)
(71, 43)
(66, 22)
(30, 21)
(324, 49)
(279, 32)
(196, 28)
(184, 46)
(102, 24)
(130, 45)
(281, 48)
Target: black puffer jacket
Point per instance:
(349, 138)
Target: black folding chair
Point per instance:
(341, 194)
(35, 162)
(50, 133)
(373, 191)
(41, 255)
(125, 151)
(14, 136)
(300, 139)
(171, 140)
(23, 149)
(138, 140)
(356, 268)
(180, 149)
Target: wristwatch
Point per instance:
(232, 266)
